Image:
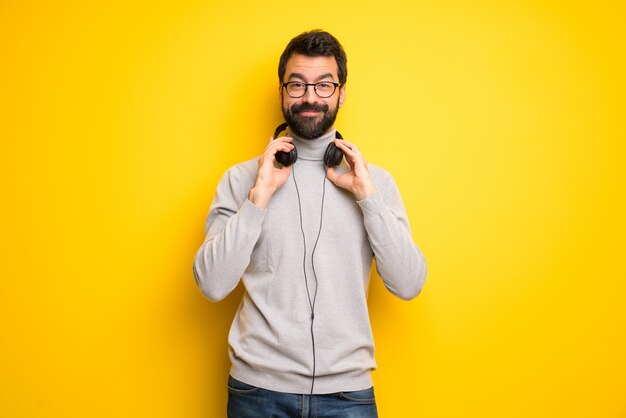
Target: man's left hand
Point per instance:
(357, 180)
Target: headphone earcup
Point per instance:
(333, 155)
(287, 158)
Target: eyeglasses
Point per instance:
(323, 89)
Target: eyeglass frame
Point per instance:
(306, 87)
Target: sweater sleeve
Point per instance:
(399, 261)
(232, 230)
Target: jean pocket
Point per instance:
(361, 396)
(236, 386)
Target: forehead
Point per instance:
(311, 68)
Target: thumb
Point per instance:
(332, 174)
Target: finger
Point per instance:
(347, 147)
(279, 140)
(350, 145)
(332, 174)
(284, 139)
(275, 146)
(343, 146)
(285, 147)
(352, 153)
(278, 144)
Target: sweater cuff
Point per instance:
(372, 205)
(375, 220)
(252, 213)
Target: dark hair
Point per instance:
(313, 44)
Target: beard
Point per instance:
(308, 127)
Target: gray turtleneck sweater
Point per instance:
(298, 256)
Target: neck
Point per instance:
(312, 149)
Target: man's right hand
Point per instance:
(271, 175)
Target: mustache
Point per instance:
(312, 107)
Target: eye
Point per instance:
(324, 85)
(296, 85)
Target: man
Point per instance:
(301, 236)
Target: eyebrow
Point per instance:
(301, 76)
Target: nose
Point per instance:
(310, 96)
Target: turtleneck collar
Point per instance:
(312, 149)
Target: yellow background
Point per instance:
(502, 122)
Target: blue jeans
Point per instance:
(246, 401)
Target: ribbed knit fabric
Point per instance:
(270, 344)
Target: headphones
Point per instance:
(332, 156)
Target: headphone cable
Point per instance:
(306, 281)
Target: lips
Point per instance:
(309, 113)
(309, 110)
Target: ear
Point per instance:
(342, 95)
(280, 94)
